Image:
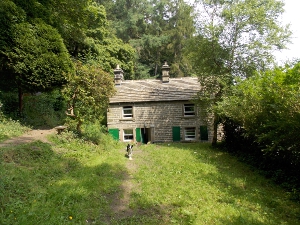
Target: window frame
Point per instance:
(127, 115)
(186, 138)
(125, 135)
(189, 113)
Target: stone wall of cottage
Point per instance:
(160, 117)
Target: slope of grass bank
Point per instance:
(10, 128)
(76, 182)
(195, 184)
(69, 182)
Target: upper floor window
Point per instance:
(189, 110)
(189, 133)
(127, 112)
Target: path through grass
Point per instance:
(73, 182)
(195, 184)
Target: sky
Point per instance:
(291, 16)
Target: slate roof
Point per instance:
(148, 90)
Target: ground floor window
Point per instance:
(128, 134)
(190, 133)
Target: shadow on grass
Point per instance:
(39, 185)
(245, 189)
(216, 186)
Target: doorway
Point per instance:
(146, 135)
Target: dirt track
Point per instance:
(32, 135)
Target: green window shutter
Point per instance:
(114, 133)
(138, 136)
(176, 133)
(203, 133)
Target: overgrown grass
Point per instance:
(10, 128)
(69, 183)
(75, 182)
(195, 184)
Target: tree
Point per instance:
(87, 34)
(181, 29)
(88, 93)
(156, 29)
(267, 108)
(239, 38)
(33, 56)
(36, 48)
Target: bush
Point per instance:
(10, 128)
(262, 119)
(44, 109)
(39, 110)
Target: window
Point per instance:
(127, 112)
(189, 109)
(128, 135)
(190, 133)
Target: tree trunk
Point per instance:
(20, 101)
(215, 130)
(78, 127)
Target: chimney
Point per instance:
(118, 75)
(165, 73)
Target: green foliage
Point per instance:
(38, 59)
(235, 39)
(40, 110)
(247, 31)
(9, 102)
(10, 128)
(96, 133)
(157, 30)
(44, 109)
(87, 35)
(266, 107)
(88, 93)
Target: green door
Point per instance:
(176, 133)
(114, 133)
(138, 135)
(203, 133)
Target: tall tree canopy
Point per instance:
(37, 59)
(241, 35)
(32, 54)
(234, 39)
(39, 39)
(156, 29)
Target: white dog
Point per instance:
(129, 150)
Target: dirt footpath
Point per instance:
(32, 135)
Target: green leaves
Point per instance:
(267, 107)
(88, 93)
(38, 60)
(157, 30)
(249, 31)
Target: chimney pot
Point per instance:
(118, 75)
(165, 72)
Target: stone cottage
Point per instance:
(156, 110)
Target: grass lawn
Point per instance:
(10, 128)
(73, 182)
